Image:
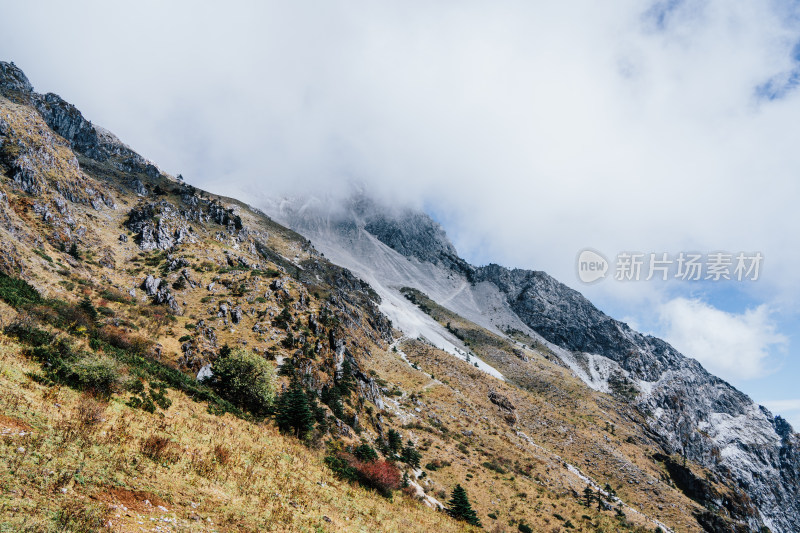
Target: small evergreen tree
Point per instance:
(588, 494)
(293, 413)
(395, 440)
(365, 452)
(410, 455)
(330, 397)
(87, 307)
(460, 508)
(344, 379)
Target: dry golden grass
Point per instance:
(514, 478)
(83, 459)
(71, 462)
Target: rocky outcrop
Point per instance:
(161, 294)
(510, 410)
(689, 411)
(41, 164)
(369, 390)
(66, 120)
(410, 232)
(158, 226)
(13, 81)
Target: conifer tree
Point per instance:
(588, 494)
(293, 412)
(460, 508)
(410, 455)
(395, 440)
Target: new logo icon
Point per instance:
(592, 266)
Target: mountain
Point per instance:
(172, 357)
(689, 411)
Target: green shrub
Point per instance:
(365, 452)
(17, 292)
(27, 332)
(114, 295)
(43, 255)
(245, 379)
(97, 374)
(339, 465)
(156, 397)
(493, 466)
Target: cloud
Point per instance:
(733, 346)
(534, 130)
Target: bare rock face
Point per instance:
(161, 294)
(369, 390)
(158, 226)
(174, 263)
(150, 285)
(13, 80)
(505, 404)
(67, 121)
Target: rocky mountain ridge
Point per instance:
(690, 411)
(477, 366)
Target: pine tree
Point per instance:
(395, 440)
(87, 307)
(410, 455)
(460, 508)
(588, 493)
(293, 412)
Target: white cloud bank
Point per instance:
(732, 346)
(535, 129)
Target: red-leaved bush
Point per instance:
(382, 475)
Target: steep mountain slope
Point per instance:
(121, 286)
(689, 411)
(118, 284)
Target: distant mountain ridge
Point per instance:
(689, 410)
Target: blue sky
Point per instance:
(533, 131)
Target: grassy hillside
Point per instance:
(120, 285)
